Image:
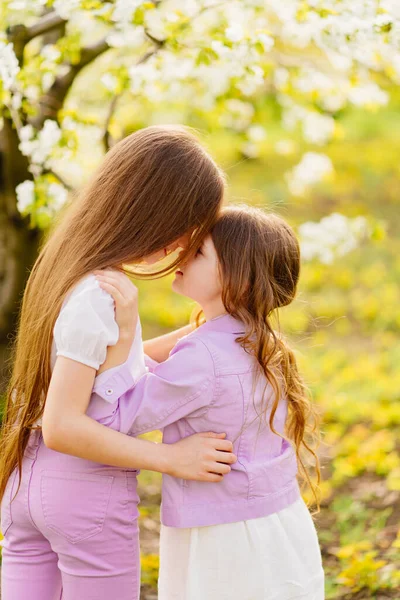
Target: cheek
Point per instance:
(191, 283)
(203, 282)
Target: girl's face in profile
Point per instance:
(199, 278)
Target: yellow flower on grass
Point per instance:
(362, 571)
(150, 566)
(351, 549)
(396, 543)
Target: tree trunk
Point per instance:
(18, 242)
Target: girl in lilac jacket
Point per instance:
(249, 537)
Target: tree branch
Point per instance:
(89, 53)
(106, 135)
(153, 39)
(52, 101)
(20, 35)
(46, 24)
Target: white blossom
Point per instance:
(250, 149)
(284, 147)
(48, 137)
(126, 34)
(191, 7)
(220, 49)
(340, 62)
(9, 67)
(104, 9)
(47, 80)
(239, 114)
(26, 133)
(333, 101)
(58, 195)
(155, 22)
(25, 195)
(313, 168)
(317, 128)
(292, 115)
(16, 101)
(235, 32)
(281, 77)
(39, 148)
(368, 93)
(109, 81)
(19, 5)
(66, 8)
(392, 7)
(32, 93)
(256, 133)
(311, 80)
(50, 53)
(252, 81)
(266, 41)
(124, 11)
(132, 36)
(335, 235)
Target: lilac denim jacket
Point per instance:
(207, 384)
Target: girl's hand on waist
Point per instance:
(125, 295)
(202, 456)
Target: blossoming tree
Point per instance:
(313, 57)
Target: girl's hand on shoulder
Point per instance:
(126, 296)
(202, 457)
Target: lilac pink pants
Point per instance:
(71, 531)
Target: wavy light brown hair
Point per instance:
(259, 260)
(153, 187)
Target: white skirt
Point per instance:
(272, 558)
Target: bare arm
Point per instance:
(66, 428)
(159, 347)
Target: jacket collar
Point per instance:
(224, 324)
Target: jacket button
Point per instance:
(109, 392)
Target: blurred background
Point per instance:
(299, 103)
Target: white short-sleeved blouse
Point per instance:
(86, 325)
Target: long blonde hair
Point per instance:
(153, 187)
(259, 259)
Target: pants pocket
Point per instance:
(75, 504)
(6, 508)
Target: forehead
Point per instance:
(208, 243)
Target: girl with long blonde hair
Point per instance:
(67, 471)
